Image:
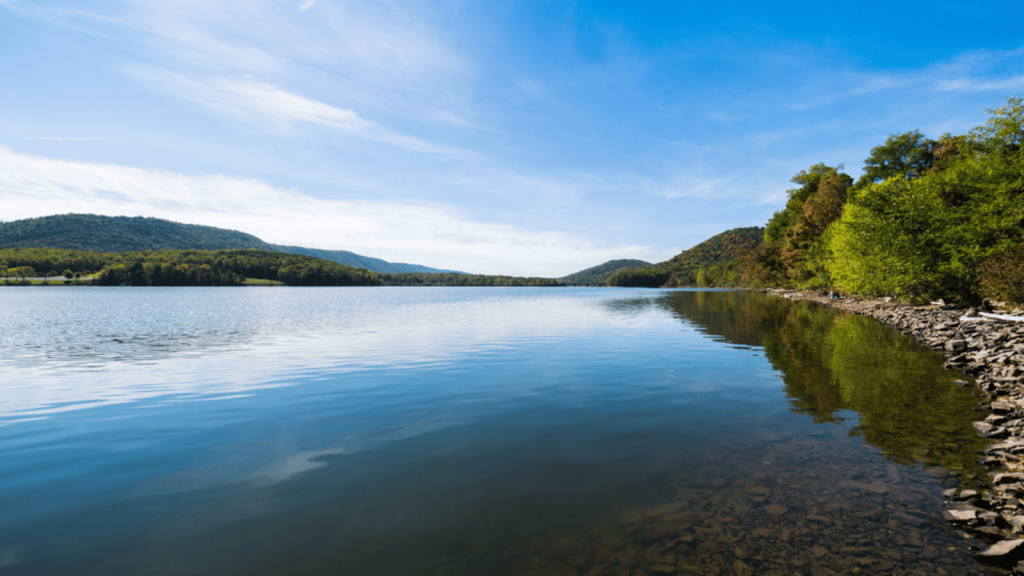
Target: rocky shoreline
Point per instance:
(990, 351)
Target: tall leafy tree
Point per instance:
(908, 155)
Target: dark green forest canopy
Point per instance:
(231, 267)
(599, 274)
(191, 267)
(458, 279)
(94, 233)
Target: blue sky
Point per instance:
(528, 138)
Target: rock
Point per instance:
(1007, 478)
(1006, 552)
(662, 570)
(742, 569)
(984, 428)
(1017, 523)
(1001, 407)
(775, 509)
(1011, 447)
(876, 487)
(960, 495)
(960, 516)
(956, 345)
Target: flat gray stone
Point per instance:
(1007, 477)
(1001, 550)
(960, 515)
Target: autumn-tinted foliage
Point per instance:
(1001, 277)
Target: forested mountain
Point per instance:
(599, 274)
(714, 262)
(90, 232)
(357, 261)
(722, 252)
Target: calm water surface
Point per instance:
(452, 431)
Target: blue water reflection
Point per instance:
(368, 430)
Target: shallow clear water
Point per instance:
(470, 431)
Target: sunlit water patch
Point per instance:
(471, 431)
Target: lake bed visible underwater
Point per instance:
(448, 431)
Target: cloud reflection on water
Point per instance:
(98, 346)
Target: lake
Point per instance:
(458, 431)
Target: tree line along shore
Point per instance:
(928, 219)
(218, 268)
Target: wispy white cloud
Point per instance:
(981, 70)
(374, 54)
(432, 234)
(246, 98)
(979, 84)
(86, 22)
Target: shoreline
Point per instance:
(989, 351)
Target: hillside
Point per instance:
(713, 262)
(599, 274)
(90, 232)
(720, 250)
(357, 261)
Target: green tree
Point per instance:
(1003, 132)
(889, 241)
(907, 155)
(22, 272)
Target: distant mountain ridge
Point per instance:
(599, 274)
(136, 233)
